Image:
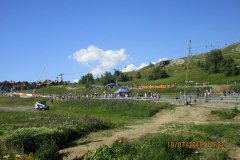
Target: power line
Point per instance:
(39, 79)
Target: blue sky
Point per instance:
(79, 36)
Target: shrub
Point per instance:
(7, 150)
(3, 149)
(216, 63)
(102, 153)
(226, 113)
(157, 73)
(47, 151)
(32, 138)
(138, 75)
(156, 148)
(227, 131)
(45, 141)
(235, 88)
(213, 61)
(122, 146)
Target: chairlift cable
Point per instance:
(39, 79)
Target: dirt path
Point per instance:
(17, 109)
(180, 114)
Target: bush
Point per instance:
(153, 148)
(156, 147)
(216, 131)
(157, 73)
(3, 149)
(87, 79)
(235, 88)
(138, 75)
(213, 61)
(45, 141)
(7, 150)
(122, 146)
(216, 63)
(102, 153)
(226, 113)
(32, 138)
(47, 151)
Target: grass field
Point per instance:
(226, 113)
(216, 141)
(45, 132)
(116, 111)
(41, 134)
(178, 74)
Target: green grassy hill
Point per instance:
(178, 72)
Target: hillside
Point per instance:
(177, 72)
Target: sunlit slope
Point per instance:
(178, 72)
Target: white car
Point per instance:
(41, 105)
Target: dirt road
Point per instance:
(17, 109)
(182, 114)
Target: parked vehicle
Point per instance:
(41, 105)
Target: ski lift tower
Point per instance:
(61, 75)
(187, 97)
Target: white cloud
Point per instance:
(75, 80)
(105, 60)
(142, 65)
(159, 60)
(132, 67)
(98, 70)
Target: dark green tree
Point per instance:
(87, 79)
(213, 61)
(108, 78)
(157, 73)
(216, 63)
(229, 67)
(116, 73)
(138, 75)
(123, 77)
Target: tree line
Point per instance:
(119, 76)
(106, 78)
(215, 62)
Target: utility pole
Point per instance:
(87, 84)
(116, 82)
(61, 75)
(188, 62)
(87, 77)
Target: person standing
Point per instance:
(51, 99)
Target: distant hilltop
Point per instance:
(226, 72)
